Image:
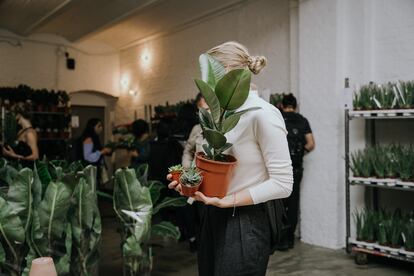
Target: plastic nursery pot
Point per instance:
(176, 176)
(43, 267)
(189, 191)
(216, 175)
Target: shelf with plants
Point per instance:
(379, 166)
(50, 112)
(384, 233)
(383, 166)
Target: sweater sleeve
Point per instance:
(190, 148)
(270, 133)
(90, 156)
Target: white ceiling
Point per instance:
(119, 23)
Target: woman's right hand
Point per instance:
(174, 184)
(106, 151)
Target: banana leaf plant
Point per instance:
(135, 201)
(224, 94)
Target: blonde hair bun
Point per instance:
(256, 64)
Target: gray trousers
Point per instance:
(231, 246)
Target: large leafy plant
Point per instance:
(49, 211)
(224, 94)
(136, 200)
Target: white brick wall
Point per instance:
(263, 26)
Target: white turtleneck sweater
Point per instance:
(261, 148)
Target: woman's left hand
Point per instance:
(224, 202)
(8, 151)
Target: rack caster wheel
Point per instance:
(361, 258)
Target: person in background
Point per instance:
(92, 151)
(25, 150)
(164, 152)
(195, 141)
(301, 142)
(140, 155)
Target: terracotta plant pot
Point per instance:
(189, 190)
(216, 175)
(176, 176)
(43, 267)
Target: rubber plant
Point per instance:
(135, 201)
(224, 93)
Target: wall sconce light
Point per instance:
(133, 92)
(145, 58)
(125, 82)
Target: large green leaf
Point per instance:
(62, 260)
(215, 138)
(205, 119)
(155, 188)
(44, 175)
(129, 194)
(211, 70)
(7, 173)
(210, 98)
(53, 212)
(233, 89)
(166, 230)
(11, 228)
(20, 196)
(170, 202)
(231, 121)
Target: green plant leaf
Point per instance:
(53, 212)
(155, 188)
(2, 255)
(211, 70)
(233, 89)
(208, 150)
(170, 202)
(210, 98)
(215, 138)
(11, 229)
(20, 196)
(205, 119)
(166, 230)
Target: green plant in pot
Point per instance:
(224, 93)
(359, 221)
(409, 235)
(176, 172)
(190, 181)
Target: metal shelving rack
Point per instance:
(363, 249)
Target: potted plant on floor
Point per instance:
(190, 181)
(224, 93)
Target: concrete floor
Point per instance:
(175, 259)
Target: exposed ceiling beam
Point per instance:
(189, 23)
(32, 28)
(115, 20)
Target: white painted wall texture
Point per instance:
(40, 66)
(263, 26)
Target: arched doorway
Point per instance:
(87, 104)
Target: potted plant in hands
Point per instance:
(176, 172)
(190, 180)
(224, 94)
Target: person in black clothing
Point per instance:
(301, 142)
(25, 150)
(141, 153)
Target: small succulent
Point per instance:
(191, 177)
(176, 168)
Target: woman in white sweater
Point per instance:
(235, 233)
